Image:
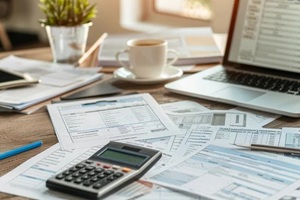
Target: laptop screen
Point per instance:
(265, 33)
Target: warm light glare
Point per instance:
(198, 9)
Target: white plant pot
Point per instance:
(67, 43)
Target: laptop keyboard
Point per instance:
(258, 81)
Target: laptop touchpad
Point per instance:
(238, 94)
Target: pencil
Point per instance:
(91, 49)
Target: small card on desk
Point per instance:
(100, 89)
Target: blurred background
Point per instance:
(19, 27)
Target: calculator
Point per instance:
(111, 168)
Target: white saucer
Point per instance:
(169, 73)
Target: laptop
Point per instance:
(261, 65)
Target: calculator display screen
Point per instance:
(123, 157)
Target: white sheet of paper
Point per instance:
(183, 107)
(95, 122)
(56, 79)
(223, 166)
(161, 193)
(185, 113)
(184, 121)
(219, 171)
(164, 143)
(196, 137)
(292, 137)
(199, 135)
(194, 45)
(192, 141)
(257, 118)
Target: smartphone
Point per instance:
(10, 79)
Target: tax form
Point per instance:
(95, 122)
(161, 193)
(182, 107)
(186, 113)
(199, 135)
(184, 121)
(223, 171)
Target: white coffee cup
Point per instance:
(147, 57)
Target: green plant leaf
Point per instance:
(67, 12)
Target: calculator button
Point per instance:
(60, 176)
(102, 176)
(88, 161)
(104, 182)
(69, 179)
(106, 166)
(98, 186)
(95, 179)
(73, 169)
(88, 183)
(76, 175)
(92, 173)
(99, 170)
(118, 174)
(80, 166)
(115, 167)
(66, 173)
(85, 177)
(83, 171)
(90, 168)
(111, 178)
(79, 180)
(126, 170)
(108, 172)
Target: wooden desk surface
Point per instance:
(20, 129)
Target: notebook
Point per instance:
(261, 65)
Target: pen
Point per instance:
(21, 149)
(271, 148)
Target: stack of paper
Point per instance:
(202, 154)
(55, 79)
(194, 45)
(198, 162)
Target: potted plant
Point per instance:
(67, 24)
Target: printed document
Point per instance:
(184, 121)
(194, 45)
(186, 113)
(163, 143)
(161, 193)
(199, 135)
(292, 140)
(233, 172)
(55, 79)
(96, 122)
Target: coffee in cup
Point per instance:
(147, 57)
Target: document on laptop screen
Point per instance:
(266, 34)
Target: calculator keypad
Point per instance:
(92, 175)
